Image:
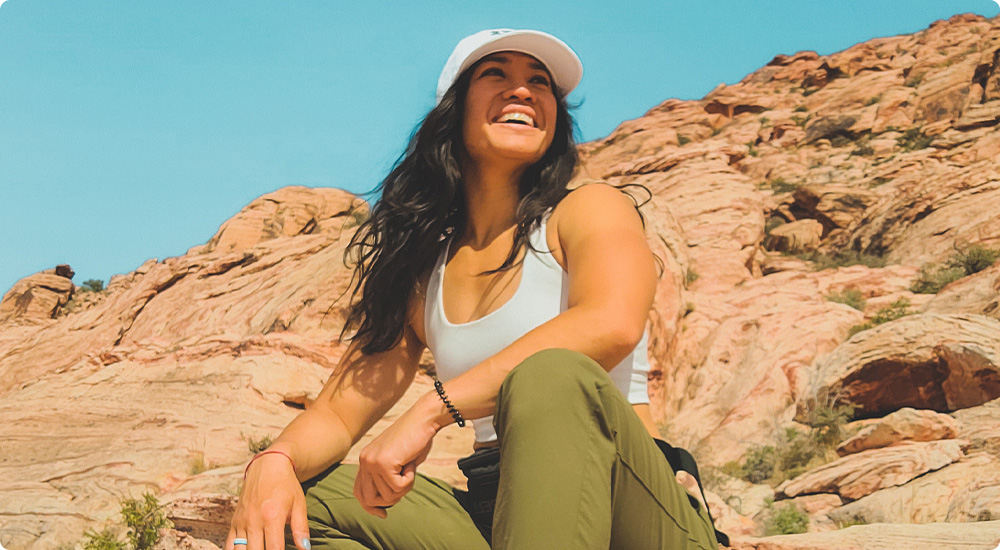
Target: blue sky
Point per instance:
(132, 129)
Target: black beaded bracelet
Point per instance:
(451, 408)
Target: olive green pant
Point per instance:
(578, 470)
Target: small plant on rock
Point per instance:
(102, 540)
(849, 296)
(786, 520)
(143, 520)
(974, 259)
(92, 285)
(895, 310)
(683, 140)
(690, 276)
(257, 445)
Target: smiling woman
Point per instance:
(533, 301)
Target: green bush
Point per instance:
(913, 81)
(92, 285)
(849, 296)
(779, 185)
(798, 451)
(759, 464)
(690, 276)
(683, 140)
(842, 259)
(801, 109)
(102, 540)
(932, 278)
(974, 259)
(143, 520)
(913, 140)
(895, 310)
(787, 520)
(257, 445)
(873, 100)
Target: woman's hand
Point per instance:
(388, 465)
(271, 497)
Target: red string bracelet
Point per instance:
(262, 453)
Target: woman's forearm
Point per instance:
(314, 440)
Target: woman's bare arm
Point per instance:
(360, 391)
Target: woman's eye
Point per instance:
(493, 71)
(541, 80)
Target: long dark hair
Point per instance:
(423, 203)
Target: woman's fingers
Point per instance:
(299, 524)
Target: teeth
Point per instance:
(518, 117)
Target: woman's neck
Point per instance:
(491, 199)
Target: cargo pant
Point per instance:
(578, 470)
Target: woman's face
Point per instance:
(510, 110)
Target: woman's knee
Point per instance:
(549, 377)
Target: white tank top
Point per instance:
(540, 296)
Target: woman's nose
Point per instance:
(521, 90)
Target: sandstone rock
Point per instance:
(286, 212)
(977, 293)
(836, 207)
(905, 424)
(205, 516)
(794, 237)
(930, 498)
(934, 536)
(172, 539)
(36, 297)
(981, 427)
(857, 475)
(926, 361)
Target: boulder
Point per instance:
(38, 297)
(883, 536)
(924, 361)
(932, 497)
(905, 424)
(795, 237)
(857, 475)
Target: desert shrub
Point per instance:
(913, 81)
(849, 296)
(895, 310)
(786, 520)
(759, 464)
(690, 276)
(932, 278)
(913, 140)
(809, 91)
(143, 520)
(683, 140)
(863, 148)
(257, 445)
(92, 285)
(779, 185)
(873, 100)
(102, 540)
(798, 451)
(196, 464)
(801, 109)
(974, 259)
(844, 258)
(839, 140)
(752, 149)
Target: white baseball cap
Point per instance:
(561, 61)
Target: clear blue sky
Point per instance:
(132, 129)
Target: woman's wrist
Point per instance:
(431, 410)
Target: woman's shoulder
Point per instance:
(593, 202)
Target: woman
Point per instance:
(529, 296)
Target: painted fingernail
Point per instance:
(306, 544)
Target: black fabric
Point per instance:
(681, 460)
(482, 470)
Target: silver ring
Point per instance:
(239, 541)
